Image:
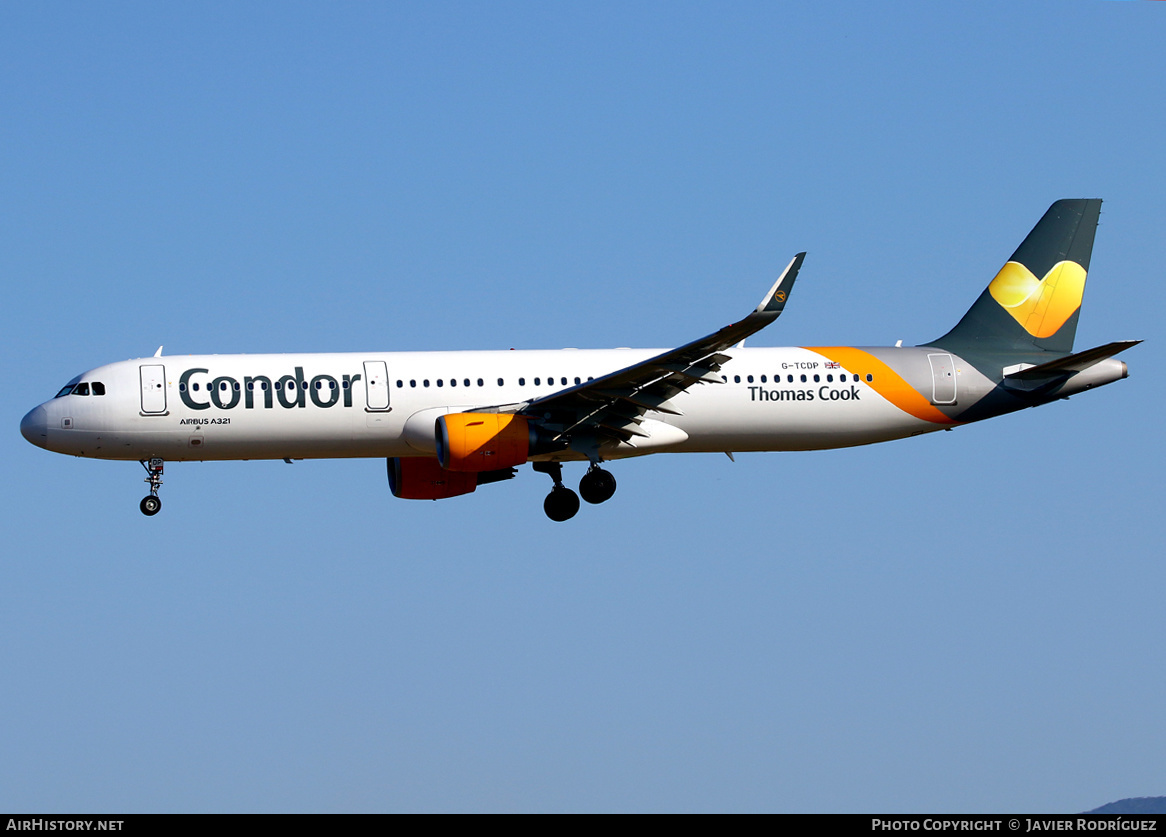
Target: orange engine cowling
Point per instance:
(482, 441)
(423, 478)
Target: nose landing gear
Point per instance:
(151, 504)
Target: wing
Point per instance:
(611, 408)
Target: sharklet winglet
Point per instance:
(774, 301)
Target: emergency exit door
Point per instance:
(942, 379)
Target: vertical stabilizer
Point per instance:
(1033, 303)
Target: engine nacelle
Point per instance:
(423, 478)
(482, 441)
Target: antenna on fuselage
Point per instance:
(159, 352)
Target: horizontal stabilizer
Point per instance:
(1070, 364)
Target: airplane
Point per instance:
(449, 422)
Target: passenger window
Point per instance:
(736, 379)
(400, 384)
(412, 383)
(817, 379)
(425, 382)
(522, 382)
(749, 379)
(577, 381)
(98, 388)
(440, 382)
(500, 382)
(481, 383)
(803, 379)
(762, 379)
(81, 389)
(869, 378)
(790, 378)
(829, 379)
(536, 380)
(466, 383)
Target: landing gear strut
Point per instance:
(151, 504)
(597, 485)
(562, 503)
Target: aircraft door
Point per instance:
(376, 386)
(153, 389)
(942, 379)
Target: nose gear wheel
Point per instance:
(151, 504)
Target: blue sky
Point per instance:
(969, 621)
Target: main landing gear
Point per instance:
(562, 503)
(597, 485)
(151, 504)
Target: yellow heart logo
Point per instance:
(1041, 306)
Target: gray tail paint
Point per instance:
(1005, 321)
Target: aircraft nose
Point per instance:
(35, 426)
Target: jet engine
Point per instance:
(483, 441)
(422, 478)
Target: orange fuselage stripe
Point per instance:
(887, 382)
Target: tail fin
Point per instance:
(1033, 303)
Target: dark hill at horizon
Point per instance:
(1134, 805)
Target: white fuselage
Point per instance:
(213, 407)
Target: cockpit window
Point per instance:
(83, 388)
